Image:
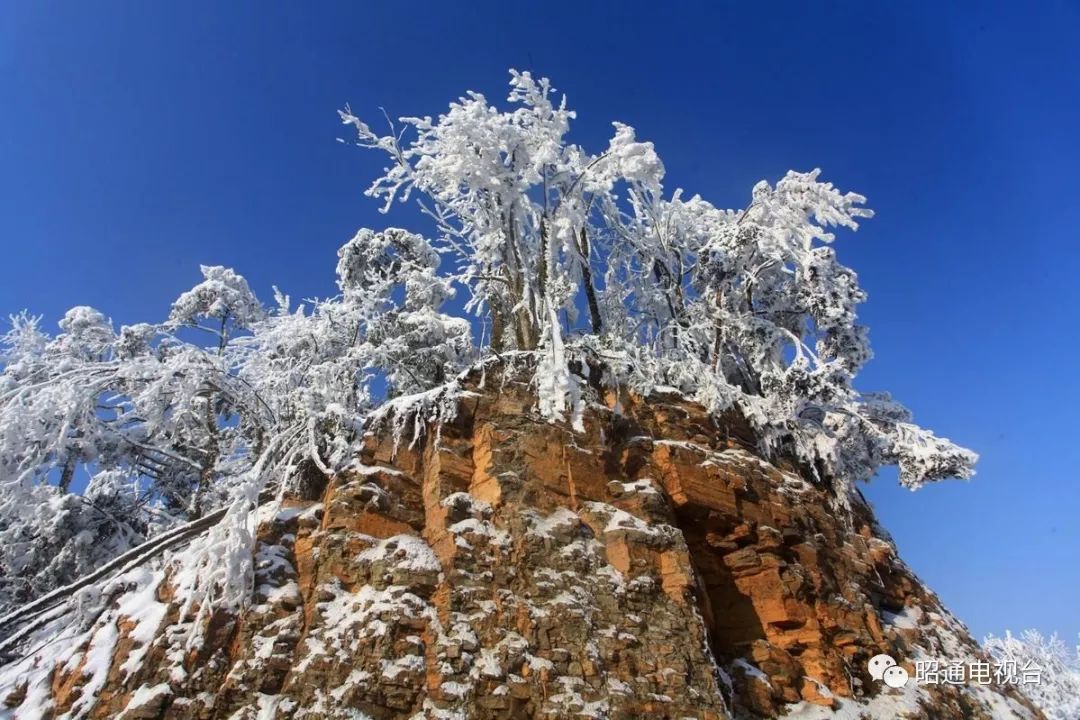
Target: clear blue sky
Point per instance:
(139, 140)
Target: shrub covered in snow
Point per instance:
(1054, 669)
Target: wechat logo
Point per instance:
(884, 668)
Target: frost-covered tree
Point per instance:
(1054, 682)
(167, 429)
(392, 279)
(49, 537)
(223, 297)
(744, 308)
(578, 266)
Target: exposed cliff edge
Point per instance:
(654, 565)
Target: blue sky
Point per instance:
(139, 140)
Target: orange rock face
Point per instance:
(653, 566)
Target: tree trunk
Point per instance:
(498, 329)
(587, 280)
(67, 473)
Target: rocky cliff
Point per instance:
(654, 565)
